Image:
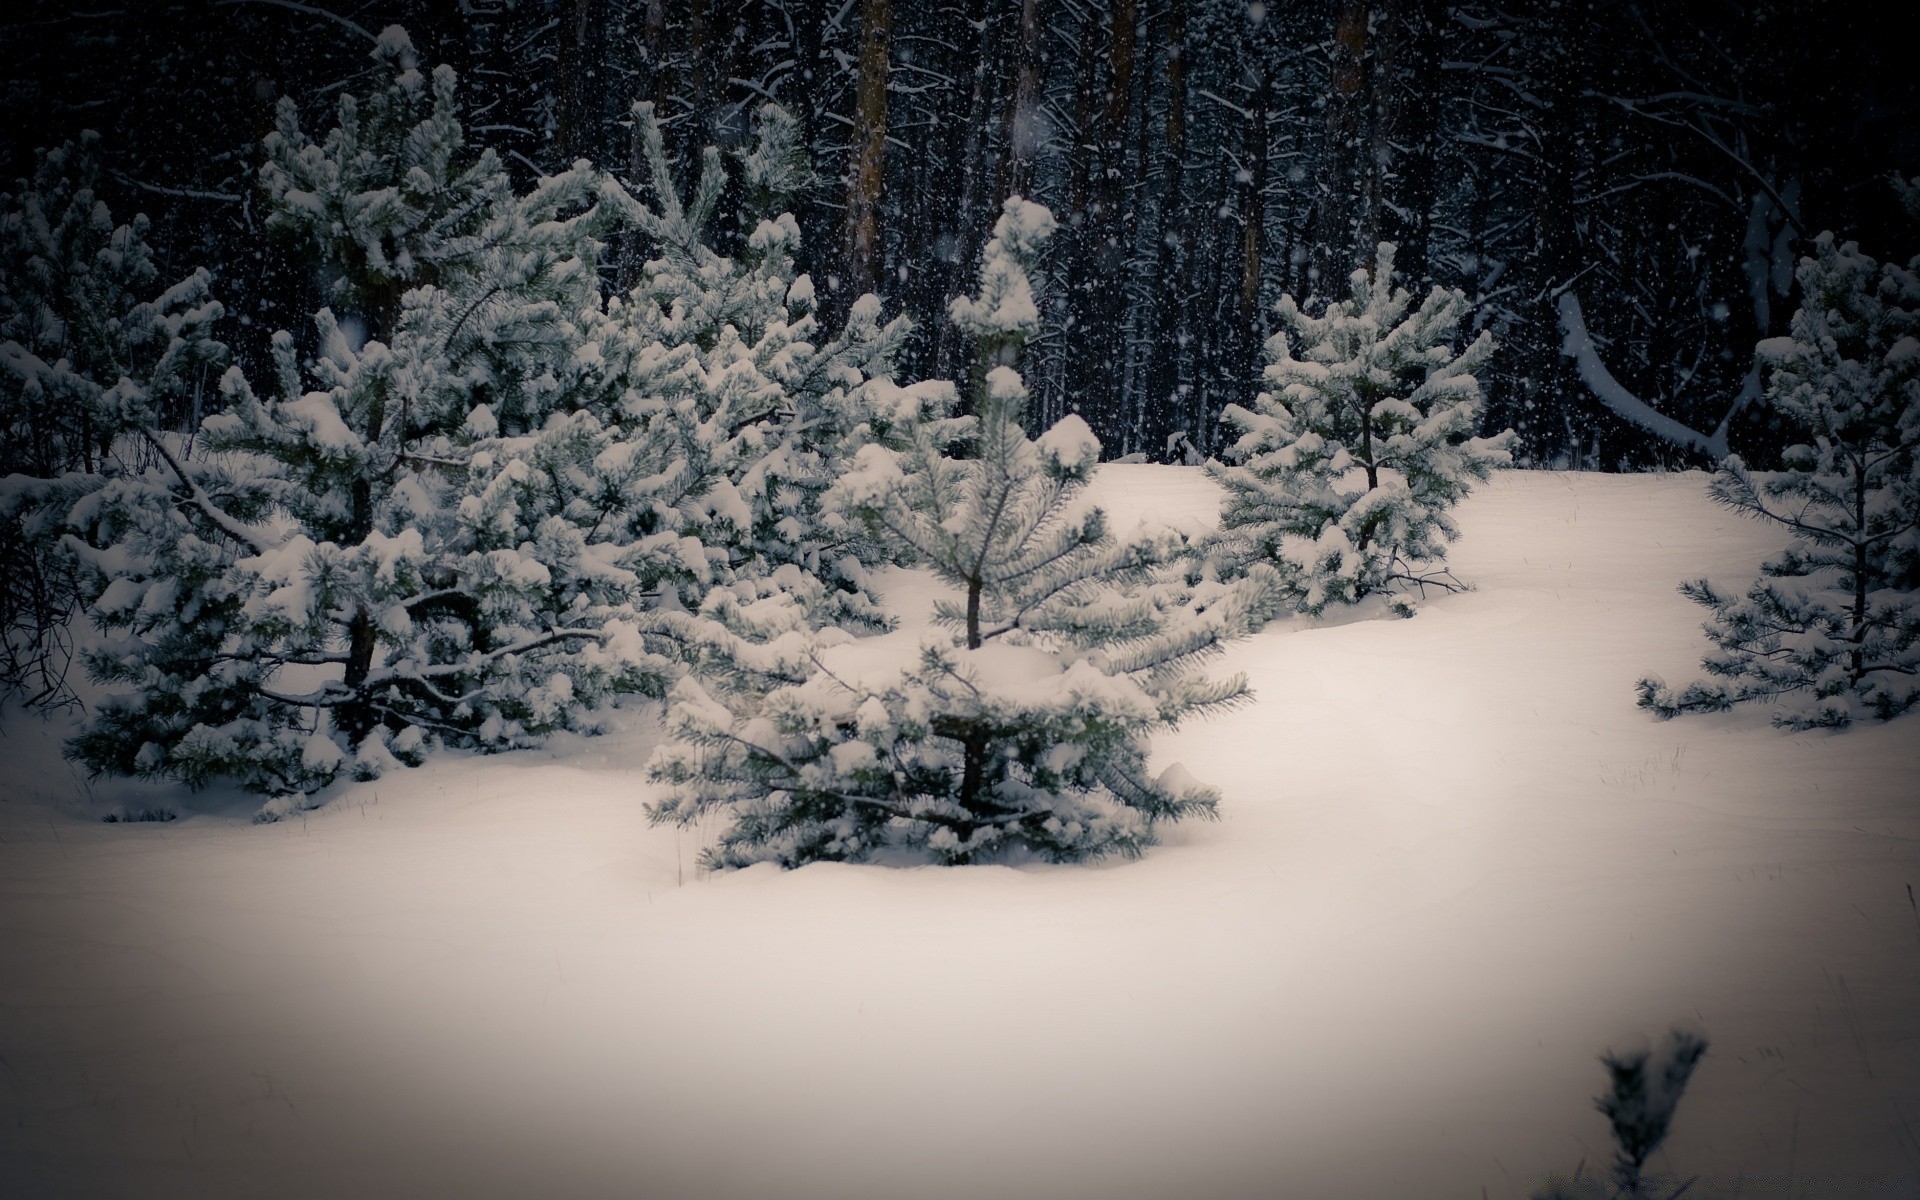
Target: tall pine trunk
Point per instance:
(1103, 340)
(1340, 202)
(1254, 217)
(1173, 255)
(866, 183)
(1406, 131)
(1020, 121)
(579, 77)
(967, 227)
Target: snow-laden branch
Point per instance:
(223, 520)
(1578, 345)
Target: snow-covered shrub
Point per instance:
(1346, 467)
(1022, 727)
(391, 198)
(90, 350)
(1832, 626)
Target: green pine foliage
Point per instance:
(1831, 629)
(392, 196)
(1019, 726)
(730, 352)
(1346, 467)
(1644, 1088)
(90, 347)
(489, 501)
(382, 549)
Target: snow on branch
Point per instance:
(1578, 345)
(228, 524)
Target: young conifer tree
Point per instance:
(1347, 466)
(727, 354)
(90, 347)
(363, 562)
(1831, 629)
(480, 511)
(1019, 726)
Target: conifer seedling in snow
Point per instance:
(1019, 727)
(1346, 467)
(1831, 628)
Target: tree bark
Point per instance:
(578, 69)
(1019, 128)
(1168, 326)
(866, 184)
(1406, 132)
(1254, 203)
(966, 228)
(1341, 202)
(1112, 226)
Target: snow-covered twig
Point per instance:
(226, 522)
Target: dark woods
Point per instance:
(1663, 165)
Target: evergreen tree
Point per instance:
(1021, 727)
(386, 547)
(490, 520)
(1643, 1093)
(1345, 469)
(1832, 626)
(88, 349)
(391, 198)
(775, 407)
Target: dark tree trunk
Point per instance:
(1341, 203)
(1169, 327)
(964, 229)
(1020, 121)
(1253, 205)
(1111, 222)
(1081, 233)
(1556, 246)
(866, 183)
(1406, 131)
(578, 78)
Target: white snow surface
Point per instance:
(1454, 863)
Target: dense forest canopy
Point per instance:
(1620, 188)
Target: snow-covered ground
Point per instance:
(1454, 863)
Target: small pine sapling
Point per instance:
(1644, 1090)
(1831, 629)
(1346, 467)
(1018, 730)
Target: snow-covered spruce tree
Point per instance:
(1019, 729)
(1831, 629)
(1346, 467)
(89, 349)
(386, 546)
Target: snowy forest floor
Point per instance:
(1454, 863)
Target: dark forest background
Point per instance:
(1663, 162)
